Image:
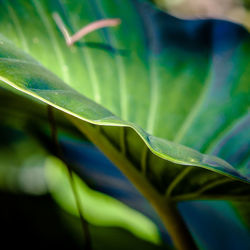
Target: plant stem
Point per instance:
(195, 196)
(59, 154)
(84, 223)
(123, 141)
(167, 210)
(144, 160)
(177, 180)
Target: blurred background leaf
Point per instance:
(232, 10)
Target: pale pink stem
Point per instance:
(70, 40)
(94, 26)
(62, 27)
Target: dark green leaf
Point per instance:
(150, 75)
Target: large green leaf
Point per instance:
(149, 75)
(193, 77)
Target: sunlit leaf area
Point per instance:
(124, 124)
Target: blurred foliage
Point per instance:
(32, 171)
(243, 211)
(97, 208)
(234, 10)
(36, 222)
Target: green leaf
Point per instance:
(154, 91)
(156, 94)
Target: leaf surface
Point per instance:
(180, 87)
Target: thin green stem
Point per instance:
(167, 210)
(123, 141)
(198, 195)
(84, 223)
(213, 184)
(53, 129)
(144, 160)
(195, 196)
(180, 176)
(59, 154)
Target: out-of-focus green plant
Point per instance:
(233, 10)
(162, 103)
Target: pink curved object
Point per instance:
(70, 40)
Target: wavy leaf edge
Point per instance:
(155, 144)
